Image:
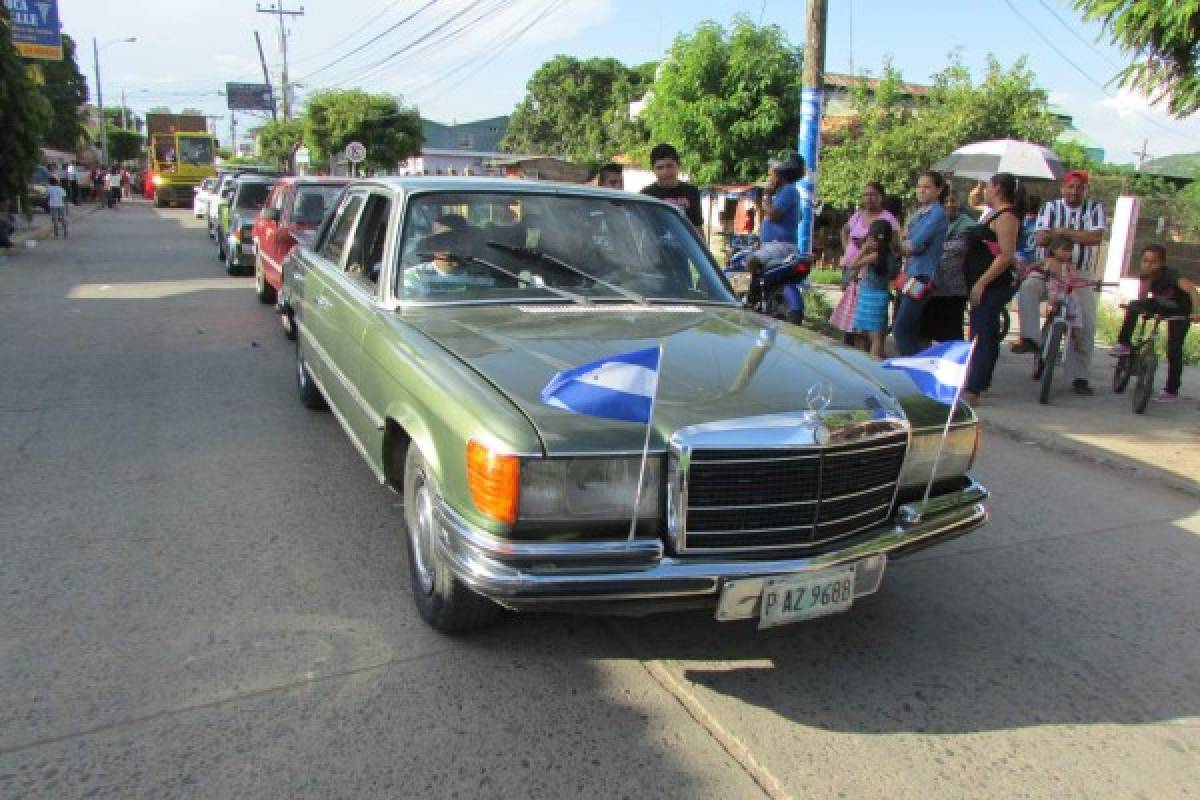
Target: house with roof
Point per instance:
(457, 149)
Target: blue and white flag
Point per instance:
(618, 387)
(938, 372)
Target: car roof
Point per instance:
(428, 183)
(315, 180)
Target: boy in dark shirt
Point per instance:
(665, 160)
(1164, 292)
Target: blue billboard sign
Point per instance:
(35, 28)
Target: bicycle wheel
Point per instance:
(1122, 372)
(1039, 363)
(1052, 350)
(1145, 383)
(1005, 323)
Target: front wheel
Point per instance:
(1005, 323)
(441, 599)
(161, 198)
(306, 387)
(264, 290)
(1049, 360)
(1145, 382)
(1122, 372)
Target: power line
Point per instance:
(350, 36)
(1086, 74)
(370, 41)
(1077, 35)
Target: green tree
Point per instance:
(65, 89)
(727, 99)
(25, 118)
(578, 109)
(333, 118)
(278, 139)
(898, 136)
(124, 145)
(1164, 38)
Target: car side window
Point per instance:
(370, 237)
(335, 242)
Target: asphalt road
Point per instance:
(203, 593)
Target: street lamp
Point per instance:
(100, 94)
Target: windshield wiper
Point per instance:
(574, 298)
(541, 255)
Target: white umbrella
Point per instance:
(982, 160)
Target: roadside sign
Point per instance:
(35, 28)
(355, 152)
(303, 156)
(249, 96)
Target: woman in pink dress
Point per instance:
(854, 234)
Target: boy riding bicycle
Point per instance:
(1163, 292)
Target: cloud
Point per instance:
(1132, 105)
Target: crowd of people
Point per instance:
(81, 182)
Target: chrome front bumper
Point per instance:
(575, 574)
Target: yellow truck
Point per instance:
(180, 154)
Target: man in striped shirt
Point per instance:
(1082, 221)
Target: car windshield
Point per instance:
(252, 195)
(520, 247)
(312, 201)
(194, 150)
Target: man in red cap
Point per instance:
(1082, 221)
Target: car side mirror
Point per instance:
(271, 214)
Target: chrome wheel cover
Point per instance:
(421, 528)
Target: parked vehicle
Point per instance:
(292, 212)
(224, 190)
(783, 472)
(204, 194)
(235, 223)
(39, 183)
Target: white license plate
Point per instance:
(247, 249)
(792, 598)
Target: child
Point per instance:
(1164, 292)
(56, 202)
(1059, 251)
(875, 267)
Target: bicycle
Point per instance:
(1054, 331)
(1141, 361)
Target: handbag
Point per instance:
(915, 287)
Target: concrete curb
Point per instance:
(1124, 466)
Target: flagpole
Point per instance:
(949, 418)
(637, 496)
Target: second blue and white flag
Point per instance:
(617, 387)
(938, 372)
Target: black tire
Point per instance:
(220, 245)
(1145, 382)
(1005, 323)
(288, 320)
(1122, 372)
(263, 290)
(1038, 363)
(1052, 350)
(161, 200)
(777, 304)
(231, 268)
(442, 600)
(310, 395)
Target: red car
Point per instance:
(291, 213)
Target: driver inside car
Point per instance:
(445, 257)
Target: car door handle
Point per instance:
(298, 276)
(324, 302)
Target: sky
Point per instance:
(187, 49)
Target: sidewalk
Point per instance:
(39, 227)
(1162, 445)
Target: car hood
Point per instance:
(718, 364)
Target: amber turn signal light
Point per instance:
(494, 480)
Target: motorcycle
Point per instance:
(777, 290)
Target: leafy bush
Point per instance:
(826, 277)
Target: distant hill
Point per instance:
(1181, 165)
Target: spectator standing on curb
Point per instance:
(73, 182)
(854, 236)
(942, 320)
(1163, 292)
(988, 270)
(875, 267)
(664, 159)
(56, 202)
(114, 187)
(1081, 220)
(922, 246)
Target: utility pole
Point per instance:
(277, 8)
(233, 133)
(812, 96)
(124, 114)
(100, 104)
(266, 76)
(1142, 154)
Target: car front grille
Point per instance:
(746, 500)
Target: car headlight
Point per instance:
(958, 455)
(588, 488)
(157, 180)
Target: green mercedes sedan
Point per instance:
(773, 477)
